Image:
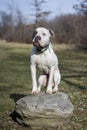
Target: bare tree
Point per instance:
(11, 13)
(39, 13)
(19, 27)
(5, 25)
(82, 22)
(82, 7)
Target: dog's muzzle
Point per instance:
(37, 44)
(36, 41)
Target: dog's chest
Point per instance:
(44, 62)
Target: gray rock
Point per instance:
(44, 111)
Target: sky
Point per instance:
(57, 7)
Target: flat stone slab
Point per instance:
(44, 111)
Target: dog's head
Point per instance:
(41, 37)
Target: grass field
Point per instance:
(15, 82)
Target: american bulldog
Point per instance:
(44, 58)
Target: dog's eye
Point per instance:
(44, 34)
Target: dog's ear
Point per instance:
(52, 33)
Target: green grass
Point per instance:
(15, 81)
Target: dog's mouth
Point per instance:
(37, 42)
(41, 48)
(38, 45)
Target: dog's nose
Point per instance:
(37, 38)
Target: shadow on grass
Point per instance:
(14, 115)
(17, 118)
(16, 96)
(74, 77)
(81, 87)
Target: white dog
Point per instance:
(44, 58)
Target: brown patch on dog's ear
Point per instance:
(52, 33)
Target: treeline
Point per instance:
(14, 28)
(69, 29)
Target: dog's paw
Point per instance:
(34, 92)
(49, 92)
(38, 90)
(55, 90)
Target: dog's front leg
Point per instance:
(34, 82)
(50, 81)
